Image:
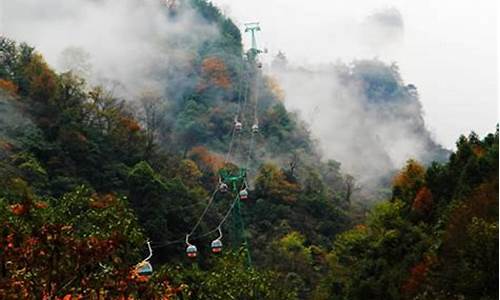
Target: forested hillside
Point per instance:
(90, 178)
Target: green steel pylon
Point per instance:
(235, 182)
(253, 51)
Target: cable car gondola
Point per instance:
(191, 250)
(238, 126)
(216, 244)
(255, 128)
(144, 268)
(223, 188)
(244, 194)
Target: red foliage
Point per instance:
(61, 261)
(482, 203)
(418, 275)
(423, 201)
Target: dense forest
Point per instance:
(90, 178)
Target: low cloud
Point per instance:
(363, 115)
(128, 44)
(382, 30)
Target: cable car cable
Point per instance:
(204, 213)
(224, 219)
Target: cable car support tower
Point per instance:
(237, 181)
(234, 180)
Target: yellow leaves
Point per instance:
(293, 241)
(272, 182)
(189, 172)
(273, 85)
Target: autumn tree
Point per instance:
(214, 72)
(408, 181)
(271, 183)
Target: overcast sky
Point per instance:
(447, 48)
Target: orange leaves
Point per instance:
(408, 181)
(135, 276)
(423, 201)
(209, 159)
(478, 150)
(8, 86)
(41, 205)
(130, 124)
(410, 175)
(42, 80)
(214, 72)
(102, 201)
(19, 209)
(361, 227)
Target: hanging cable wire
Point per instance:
(204, 213)
(245, 95)
(183, 240)
(228, 154)
(221, 223)
(239, 116)
(174, 209)
(255, 115)
(240, 92)
(226, 159)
